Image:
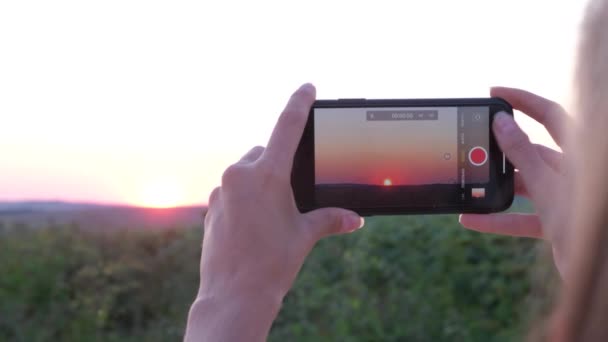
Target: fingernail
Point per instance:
(504, 123)
(352, 222)
(307, 87)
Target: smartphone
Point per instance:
(408, 156)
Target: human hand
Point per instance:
(255, 239)
(540, 177)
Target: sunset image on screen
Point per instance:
(350, 149)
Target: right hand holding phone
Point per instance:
(540, 175)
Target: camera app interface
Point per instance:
(381, 156)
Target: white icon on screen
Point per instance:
(478, 192)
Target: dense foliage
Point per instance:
(401, 278)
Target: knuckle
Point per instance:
(335, 221)
(206, 220)
(211, 216)
(522, 154)
(518, 142)
(520, 145)
(257, 149)
(232, 174)
(325, 223)
(252, 155)
(557, 108)
(213, 196)
(268, 172)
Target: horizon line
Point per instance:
(94, 203)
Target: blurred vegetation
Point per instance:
(418, 278)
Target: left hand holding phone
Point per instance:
(255, 239)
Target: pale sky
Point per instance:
(146, 102)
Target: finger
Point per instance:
(288, 130)
(552, 157)
(520, 187)
(252, 155)
(205, 210)
(214, 196)
(550, 114)
(519, 150)
(512, 224)
(331, 221)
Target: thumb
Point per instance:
(519, 150)
(330, 221)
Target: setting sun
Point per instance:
(388, 182)
(161, 194)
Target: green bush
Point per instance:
(68, 284)
(414, 279)
(419, 278)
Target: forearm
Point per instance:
(231, 319)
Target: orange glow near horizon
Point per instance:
(388, 182)
(161, 194)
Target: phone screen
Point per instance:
(392, 156)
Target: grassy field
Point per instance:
(419, 278)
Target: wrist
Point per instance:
(262, 301)
(233, 317)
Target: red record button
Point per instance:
(478, 156)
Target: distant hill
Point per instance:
(43, 206)
(38, 214)
(369, 195)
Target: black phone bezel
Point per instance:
(303, 183)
